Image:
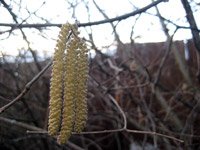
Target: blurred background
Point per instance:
(144, 77)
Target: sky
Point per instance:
(147, 28)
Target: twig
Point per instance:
(132, 131)
(26, 88)
(163, 60)
(111, 23)
(116, 130)
(4, 99)
(9, 9)
(132, 86)
(120, 110)
(119, 18)
(74, 146)
(20, 124)
(155, 133)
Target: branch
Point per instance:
(173, 23)
(28, 85)
(124, 128)
(125, 16)
(119, 18)
(112, 25)
(42, 131)
(14, 16)
(20, 124)
(191, 20)
(26, 88)
(33, 128)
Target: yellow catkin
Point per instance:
(55, 104)
(68, 113)
(68, 82)
(81, 90)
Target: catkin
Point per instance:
(68, 113)
(55, 103)
(81, 93)
(68, 105)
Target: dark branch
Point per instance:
(191, 20)
(26, 88)
(9, 10)
(122, 17)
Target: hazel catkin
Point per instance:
(81, 103)
(68, 112)
(55, 103)
(68, 105)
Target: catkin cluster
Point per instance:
(68, 87)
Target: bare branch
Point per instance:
(20, 124)
(191, 20)
(119, 18)
(26, 88)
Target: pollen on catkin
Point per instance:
(68, 113)
(81, 90)
(68, 105)
(55, 104)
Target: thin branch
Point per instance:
(20, 124)
(174, 24)
(74, 146)
(191, 20)
(42, 131)
(28, 85)
(14, 16)
(131, 87)
(155, 133)
(132, 131)
(163, 60)
(119, 18)
(120, 110)
(112, 25)
(38, 25)
(115, 130)
(26, 88)
(33, 128)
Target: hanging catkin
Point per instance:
(68, 105)
(68, 113)
(55, 104)
(82, 73)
